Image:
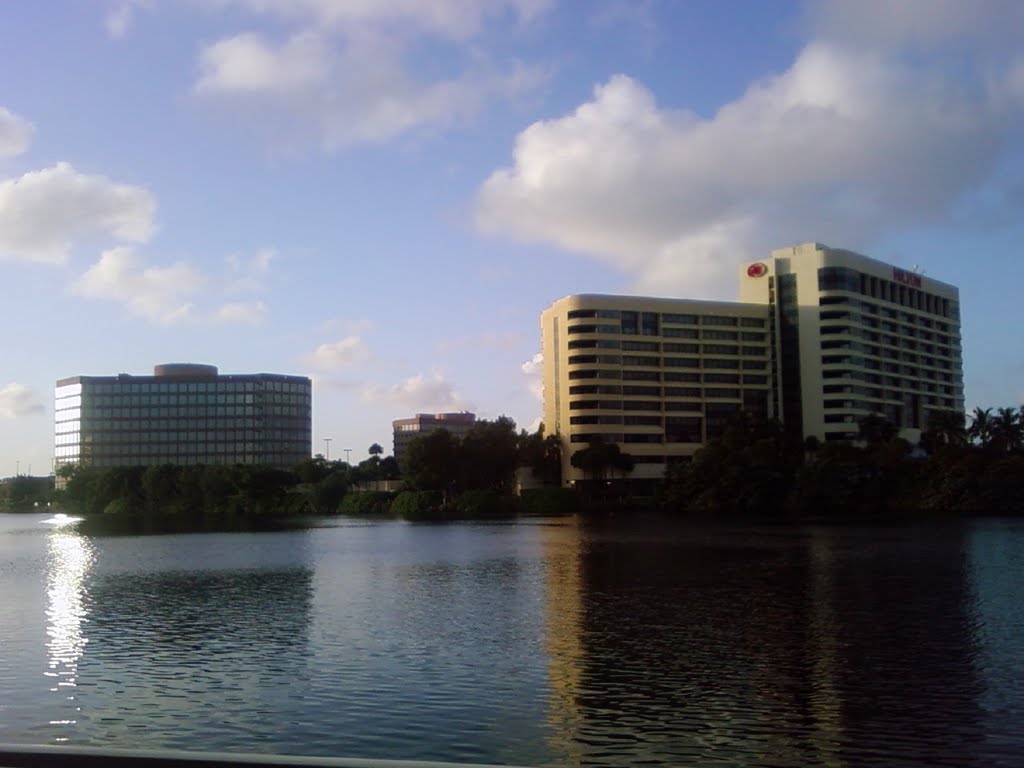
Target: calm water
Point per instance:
(542, 642)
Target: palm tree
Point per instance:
(980, 430)
(945, 429)
(1006, 430)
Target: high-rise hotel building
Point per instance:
(854, 337)
(657, 376)
(183, 414)
(822, 338)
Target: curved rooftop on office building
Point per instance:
(179, 370)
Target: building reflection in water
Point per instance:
(762, 647)
(188, 637)
(563, 624)
(69, 560)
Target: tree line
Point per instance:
(961, 466)
(444, 476)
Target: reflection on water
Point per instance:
(545, 642)
(761, 647)
(69, 558)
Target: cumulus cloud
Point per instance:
(173, 294)
(844, 145)
(534, 371)
(159, 294)
(344, 76)
(43, 213)
(344, 353)
(18, 400)
(15, 134)
(419, 393)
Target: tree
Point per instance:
(599, 457)
(376, 450)
(945, 430)
(1006, 431)
(542, 454)
(874, 430)
(488, 456)
(430, 462)
(980, 430)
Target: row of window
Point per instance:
(722, 393)
(887, 346)
(667, 346)
(906, 293)
(869, 311)
(758, 380)
(121, 388)
(705, 363)
(651, 360)
(671, 318)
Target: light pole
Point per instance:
(347, 452)
(327, 447)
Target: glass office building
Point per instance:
(183, 414)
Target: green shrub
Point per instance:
(549, 501)
(417, 505)
(364, 503)
(481, 504)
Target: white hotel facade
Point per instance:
(822, 338)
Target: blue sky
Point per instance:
(384, 195)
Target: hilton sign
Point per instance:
(907, 278)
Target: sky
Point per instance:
(383, 195)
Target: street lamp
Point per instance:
(347, 452)
(327, 447)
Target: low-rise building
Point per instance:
(405, 430)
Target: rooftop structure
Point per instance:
(405, 430)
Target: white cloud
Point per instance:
(361, 92)
(457, 19)
(15, 134)
(18, 400)
(346, 75)
(345, 353)
(247, 63)
(43, 213)
(160, 294)
(534, 370)
(121, 16)
(843, 146)
(167, 295)
(419, 394)
(249, 275)
(992, 27)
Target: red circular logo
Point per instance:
(757, 270)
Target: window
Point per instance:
(680, 333)
(679, 319)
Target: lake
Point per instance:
(543, 642)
